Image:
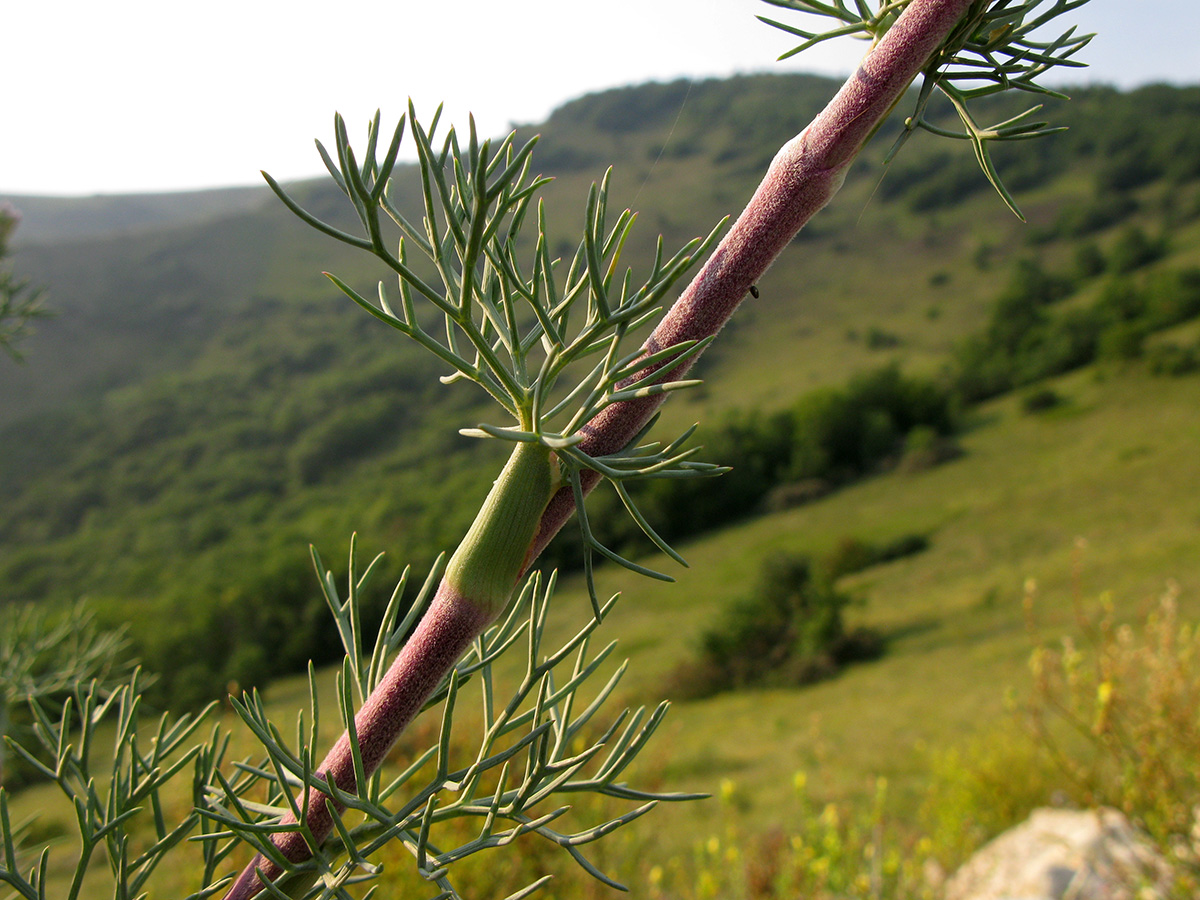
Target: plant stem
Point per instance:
(802, 179)
(443, 635)
(478, 583)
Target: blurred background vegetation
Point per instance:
(928, 403)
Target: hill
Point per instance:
(52, 219)
(205, 405)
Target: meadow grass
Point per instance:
(1089, 497)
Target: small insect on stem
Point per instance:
(754, 291)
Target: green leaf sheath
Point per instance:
(801, 180)
(492, 556)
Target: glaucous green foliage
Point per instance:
(46, 656)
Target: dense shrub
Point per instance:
(879, 339)
(1172, 297)
(1089, 260)
(1026, 340)
(1133, 249)
(832, 436)
(844, 434)
(758, 449)
(1019, 343)
(1041, 400)
(1054, 346)
(791, 494)
(1173, 359)
(939, 180)
(852, 554)
(925, 448)
(1095, 215)
(789, 631)
(351, 432)
(1126, 169)
(1121, 341)
(203, 651)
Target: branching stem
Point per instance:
(801, 180)
(443, 635)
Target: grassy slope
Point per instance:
(1012, 509)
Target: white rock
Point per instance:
(1060, 854)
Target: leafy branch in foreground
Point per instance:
(518, 331)
(541, 740)
(539, 490)
(539, 744)
(996, 47)
(111, 807)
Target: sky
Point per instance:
(153, 95)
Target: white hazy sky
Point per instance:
(141, 95)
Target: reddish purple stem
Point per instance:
(443, 635)
(801, 180)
